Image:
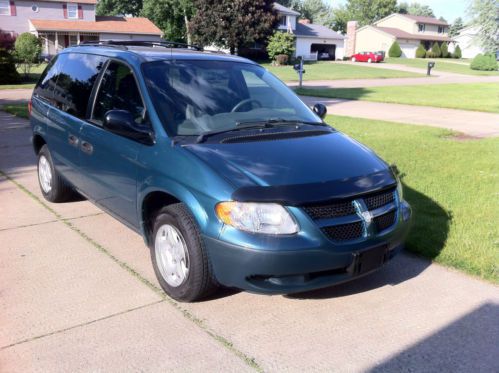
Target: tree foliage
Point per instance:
(417, 9)
(118, 7)
(6, 40)
(421, 51)
(457, 52)
(444, 49)
(484, 62)
(314, 10)
(171, 16)
(484, 15)
(8, 72)
(27, 50)
(232, 23)
(365, 12)
(395, 50)
(456, 26)
(435, 50)
(281, 43)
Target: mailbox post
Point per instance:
(431, 65)
(299, 69)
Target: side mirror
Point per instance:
(122, 123)
(320, 110)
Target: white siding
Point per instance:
(104, 37)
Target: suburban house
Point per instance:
(312, 41)
(60, 24)
(408, 30)
(467, 41)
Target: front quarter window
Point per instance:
(196, 96)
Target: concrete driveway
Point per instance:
(77, 293)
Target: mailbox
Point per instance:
(431, 65)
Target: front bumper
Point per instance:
(290, 271)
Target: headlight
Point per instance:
(268, 218)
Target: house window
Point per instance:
(283, 21)
(421, 27)
(4, 8)
(440, 29)
(35, 8)
(72, 10)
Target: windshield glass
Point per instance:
(198, 96)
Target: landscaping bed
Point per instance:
(441, 64)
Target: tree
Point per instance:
(403, 8)
(6, 40)
(444, 49)
(367, 12)
(484, 62)
(417, 9)
(27, 50)
(339, 19)
(119, 7)
(281, 43)
(435, 50)
(484, 15)
(457, 26)
(8, 72)
(232, 23)
(172, 17)
(395, 50)
(457, 52)
(314, 10)
(421, 51)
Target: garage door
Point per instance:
(408, 50)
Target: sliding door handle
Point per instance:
(86, 147)
(73, 140)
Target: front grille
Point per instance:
(385, 221)
(335, 210)
(344, 232)
(378, 200)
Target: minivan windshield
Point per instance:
(193, 97)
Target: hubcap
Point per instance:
(45, 174)
(172, 256)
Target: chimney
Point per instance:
(351, 36)
(304, 21)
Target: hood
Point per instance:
(299, 170)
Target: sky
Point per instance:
(449, 9)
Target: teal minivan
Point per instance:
(229, 177)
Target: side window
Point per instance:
(75, 83)
(118, 91)
(46, 84)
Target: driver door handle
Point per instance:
(86, 147)
(73, 140)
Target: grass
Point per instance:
(441, 64)
(452, 186)
(29, 81)
(472, 96)
(336, 71)
(17, 110)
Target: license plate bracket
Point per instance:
(368, 260)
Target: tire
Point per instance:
(186, 275)
(52, 186)
(354, 59)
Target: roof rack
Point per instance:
(123, 44)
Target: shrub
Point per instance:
(8, 72)
(421, 51)
(429, 54)
(395, 50)
(444, 50)
(6, 40)
(435, 49)
(485, 62)
(282, 59)
(27, 50)
(281, 43)
(457, 52)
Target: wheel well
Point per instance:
(38, 142)
(151, 205)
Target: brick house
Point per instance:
(60, 24)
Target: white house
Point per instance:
(312, 41)
(466, 39)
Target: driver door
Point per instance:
(110, 162)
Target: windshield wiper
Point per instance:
(239, 126)
(279, 121)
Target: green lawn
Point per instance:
(452, 186)
(473, 96)
(441, 64)
(336, 71)
(27, 81)
(17, 110)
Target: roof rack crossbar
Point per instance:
(123, 44)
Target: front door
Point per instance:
(109, 161)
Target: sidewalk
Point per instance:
(472, 123)
(78, 294)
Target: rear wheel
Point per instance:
(53, 187)
(179, 257)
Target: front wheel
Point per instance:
(369, 60)
(354, 59)
(179, 257)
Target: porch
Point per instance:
(55, 41)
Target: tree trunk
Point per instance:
(187, 28)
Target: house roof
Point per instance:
(428, 20)
(73, 1)
(400, 34)
(114, 25)
(282, 9)
(311, 30)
